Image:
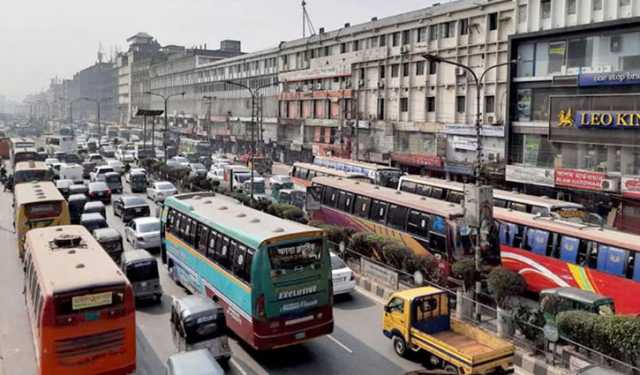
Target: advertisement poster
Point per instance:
(524, 105)
(579, 179)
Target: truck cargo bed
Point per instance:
(465, 345)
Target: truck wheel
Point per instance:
(451, 369)
(400, 346)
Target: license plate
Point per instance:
(144, 284)
(300, 336)
(92, 315)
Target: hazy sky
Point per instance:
(41, 39)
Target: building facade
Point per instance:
(574, 113)
(97, 82)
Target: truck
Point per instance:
(419, 320)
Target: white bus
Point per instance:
(60, 143)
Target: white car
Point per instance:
(143, 233)
(51, 161)
(197, 170)
(97, 158)
(161, 190)
(116, 165)
(71, 172)
(343, 278)
(280, 179)
(99, 172)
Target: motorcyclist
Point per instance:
(8, 184)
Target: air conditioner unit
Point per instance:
(348, 84)
(492, 156)
(610, 184)
(318, 86)
(460, 72)
(380, 84)
(491, 119)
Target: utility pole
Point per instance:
(209, 100)
(357, 124)
(166, 120)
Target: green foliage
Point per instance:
(530, 323)
(294, 213)
(466, 270)
(335, 233)
(504, 284)
(361, 244)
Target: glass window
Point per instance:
(362, 205)
(418, 223)
(538, 241)
(493, 21)
(378, 211)
(421, 34)
(406, 37)
(580, 53)
(436, 193)
(404, 105)
(597, 4)
(408, 186)
(203, 239)
(346, 201)
(571, 6)
(526, 58)
(464, 26)
(546, 9)
(212, 245)
(395, 69)
(433, 33)
(395, 39)
(461, 104)
(396, 304)
(431, 104)
(397, 216)
(420, 68)
(383, 40)
(489, 104)
(405, 70)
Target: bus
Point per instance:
(22, 142)
(38, 204)
(80, 305)
(424, 225)
(550, 253)
(272, 276)
(29, 171)
(60, 143)
(452, 191)
(194, 146)
(23, 155)
(379, 174)
(303, 173)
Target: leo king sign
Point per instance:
(599, 120)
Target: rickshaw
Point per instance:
(138, 182)
(76, 207)
(198, 323)
(111, 242)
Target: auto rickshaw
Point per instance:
(141, 269)
(76, 207)
(138, 182)
(198, 322)
(111, 241)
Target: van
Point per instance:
(141, 268)
(111, 241)
(114, 182)
(72, 172)
(93, 221)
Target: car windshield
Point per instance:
(113, 178)
(243, 177)
(149, 227)
(337, 263)
(134, 201)
(197, 166)
(142, 271)
(165, 186)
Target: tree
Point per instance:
(505, 284)
(466, 270)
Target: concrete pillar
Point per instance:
(611, 159)
(627, 161)
(581, 162)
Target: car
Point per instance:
(281, 179)
(96, 207)
(108, 151)
(344, 280)
(160, 190)
(97, 159)
(72, 172)
(129, 207)
(143, 233)
(114, 182)
(127, 177)
(99, 173)
(93, 221)
(216, 173)
(63, 186)
(78, 189)
(197, 170)
(116, 165)
(72, 159)
(128, 157)
(99, 191)
(195, 362)
(51, 161)
(178, 162)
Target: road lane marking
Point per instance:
(343, 346)
(235, 364)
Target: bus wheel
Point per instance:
(451, 369)
(400, 346)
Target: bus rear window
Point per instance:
(43, 210)
(295, 256)
(86, 300)
(28, 176)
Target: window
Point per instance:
(433, 67)
(343, 47)
(397, 216)
(396, 304)
(381, 71)
(373, 42)
(447, 29)
(356, 45)
(378, 211)
(464, 26)
(431, 104)
(522, 13)
(383, 40)
(538, 241)
(546, 9)
(405, 70)
(625, 2)
(436, 193)
(571, 6)
(597, 4)
(461, 104)
(327, 51)
(420, 68)
(331, 197)
(395, 68)
(493, 21)
(418, 223)
(203, 237)
(345, 202)
(404, 105)
(211, 248)
(395, 39)
(406, 37)
(421, 35)
(433, 33)
(489, 104)
(361, 207)
(380, 108)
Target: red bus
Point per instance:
(80, 305)
(553, 253)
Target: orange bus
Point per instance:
(80, 305)
(303, 173)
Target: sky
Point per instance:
(43, 39)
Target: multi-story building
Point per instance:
(574, 113)
(97, 82)
(410, 112)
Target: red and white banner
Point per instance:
(579, 179)
(418, 160)
(631, 186)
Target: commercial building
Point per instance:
(367, 89)
(97, 82)
(574, 113)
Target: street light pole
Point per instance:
(166, 121)
(209, 100)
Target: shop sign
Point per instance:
(530, 175)
(609, 79)
(598, 119)
(459, 168)
(631, 186)
(579, 179)
(465, 129)
(464, 143)
(418, 160)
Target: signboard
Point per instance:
(579, 179)
(459, 167)
(478, 205)
(379, 274)
(599, 119)
(464, 129)
(91, 300)
(418, 160)
(464, 143)
(531, 175)
(609, 79)
(631, 186)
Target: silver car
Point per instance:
(143, 233)
(161, 190)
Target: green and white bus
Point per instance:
(272, 276)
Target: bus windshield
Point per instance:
(32, 175)
(389, 178)
(88, 299)
(296, 256)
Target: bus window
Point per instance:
(499, 203)
(438, 225)
(436, 193)
(378, 211)
(508, 234)
(438, 243)
(612, 260)
(203, 239)
(223, 256)
(518, 207)
(455, 196)
(423, 190)
(211, 250)
(239, 256)
(362, 206)
(635, 267)
(408, 186)
(418, 224)
(538, 241)
(345, 201)
(569, 249)
(397, 216)
(539, 210)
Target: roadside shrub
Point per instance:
(466, 271)
(428, 265)
(396, 255)
(530, 323)
(335, 233)
(294, 214)
(505, 284)
(361, 244)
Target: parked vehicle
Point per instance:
(76, 207)
(78, 189)
(114, 182)
(141, 269)
(178, 162)
(111, 242)
(99, 191)
(129, 207)
(138, 182)
(198, 362)
(95, 207)
(161, 190)
(420, 319)
(93, 221)
(108, 152)
(344, 280)
(51, 161)
(73, 159)
(99, 172)
(63, 186)
(72, 172)
(198, 322)
(576, 299)
(143, 233)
